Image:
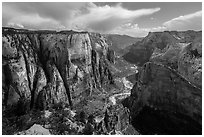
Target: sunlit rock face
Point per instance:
(190, 63)
(141, 52)
(185, 58)
(169, 55)
(48, 67)
(161, 88)
(169, 82)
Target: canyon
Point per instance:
(72, 76)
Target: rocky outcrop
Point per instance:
(169, 55)
(186, 59)
(140, 52)
(48, 67)
(190, 63)
(161, 88)
(35, 130)
(168, 86)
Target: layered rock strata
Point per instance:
(43, 68)
(162, 88)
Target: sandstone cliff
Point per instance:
(162, 89)
(43, 68)
(140, 52)
(169, 81)
(185, 58)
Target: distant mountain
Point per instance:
(119, 43)
(140, 52)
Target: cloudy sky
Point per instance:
(134, 19)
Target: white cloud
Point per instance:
(187, 22)
(130, 29)
(191, 21)
(90, 17)
(152, 18)
(78, 16)
(39, 15)
(34, 21)
(106, 18)
(16, 25)
(135, 31)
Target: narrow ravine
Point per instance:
(126, 91)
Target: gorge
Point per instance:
(75, 76)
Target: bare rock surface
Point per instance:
(35, 130)
(46, 68)
(70, 83)
(161, 88)
(140, 52)
(186, 58)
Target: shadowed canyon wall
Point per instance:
(42, 68)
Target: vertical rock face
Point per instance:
(15, 67)
(190, 63)
(186, 59)
(169, 55)
(55, 89)
(161, 88)
(47, 67)
(140, 52)
(169, 83)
